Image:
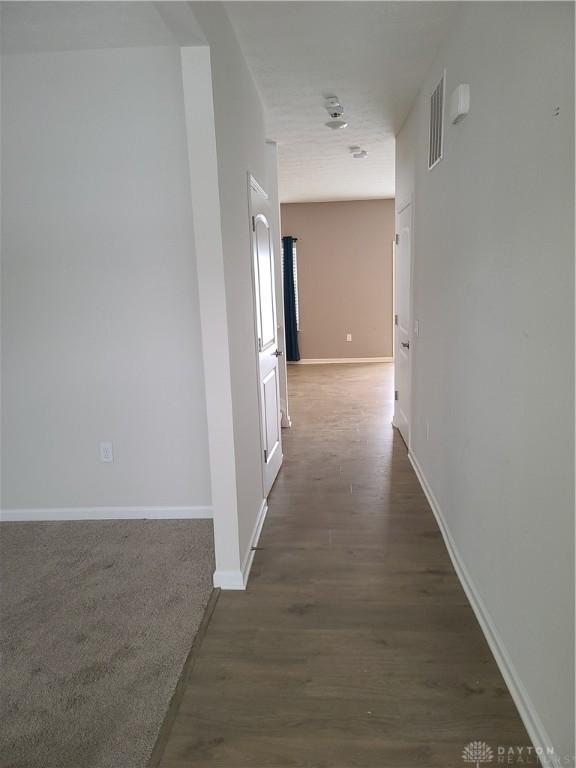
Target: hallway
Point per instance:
(354, 644)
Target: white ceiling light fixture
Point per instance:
(335, 110)
(335, 125)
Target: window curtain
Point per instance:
(290, 328)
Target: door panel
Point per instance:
(265, 272)
(270, 409)
(403, 341)
(265, 308)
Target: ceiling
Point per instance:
(31, 27)
(372, 55)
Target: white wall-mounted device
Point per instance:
(335, 110)
(107, 453)
(459, 103)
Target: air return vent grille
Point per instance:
(436, 144)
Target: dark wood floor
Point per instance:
(354, 644)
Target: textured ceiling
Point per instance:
(372, 55)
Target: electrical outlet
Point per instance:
(348, 337)
(106, 453)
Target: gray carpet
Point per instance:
(97, 619)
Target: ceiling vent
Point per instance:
(436, 142)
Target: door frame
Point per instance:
(255, 187)
(276, 224)
(400, 209)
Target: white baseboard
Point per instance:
(335, 360)
(239, 579)
(228, 580)
(532, 722)
(106, 513)
(254, 539)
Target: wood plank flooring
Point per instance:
(354, 645)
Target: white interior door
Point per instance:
(266, 329)
(403, 321)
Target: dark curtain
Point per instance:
(292, 351)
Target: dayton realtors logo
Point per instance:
(477, 753)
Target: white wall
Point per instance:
(100, 320)
(493, 366)
(117, 170)
(240, 141)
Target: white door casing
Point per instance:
(272, 180)
(266, 335)
(403, 322)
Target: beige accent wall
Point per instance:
(344, 276)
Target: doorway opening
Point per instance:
(339, 275)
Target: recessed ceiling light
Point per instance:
(335, 125)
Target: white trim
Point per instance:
(533, 724)
(272, 181)
(106, 513)
(335, 360)
(239, 579)
(398, 212)
(254, 539)
(228, 580)
(207, 228)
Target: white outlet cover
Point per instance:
(348, 337)
(106, 453)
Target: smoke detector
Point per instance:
(335, 110)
